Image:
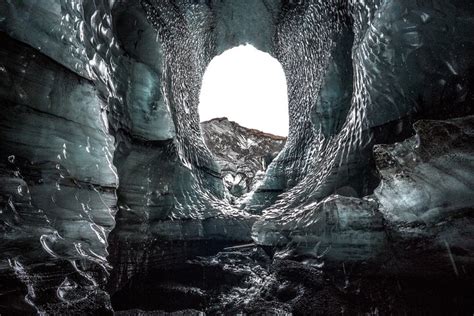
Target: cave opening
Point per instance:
(246, 85)
(244, 114)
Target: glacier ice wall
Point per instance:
(170, 186)
(429, 176)
(102, 162)
(84, 106)
(409, 61)
(58, 181)
(421, 208)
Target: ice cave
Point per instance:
(116, 199)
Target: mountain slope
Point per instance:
(242, 153)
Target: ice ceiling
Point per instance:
(104, 175)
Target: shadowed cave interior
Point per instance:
(112, 202)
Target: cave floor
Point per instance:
(255, 281)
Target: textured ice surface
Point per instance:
(99, 102)
(406, 64)
(426, 192)
(338, 227)
(46, 26)
(428, 177)
(58, 198)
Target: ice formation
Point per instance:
(106, 182)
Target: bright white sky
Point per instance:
(247, 86)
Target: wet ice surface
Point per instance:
(110, 199)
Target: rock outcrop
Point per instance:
(243, 154)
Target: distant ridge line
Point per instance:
(250, 130)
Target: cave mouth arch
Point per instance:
(244, 115)
(246, 86)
